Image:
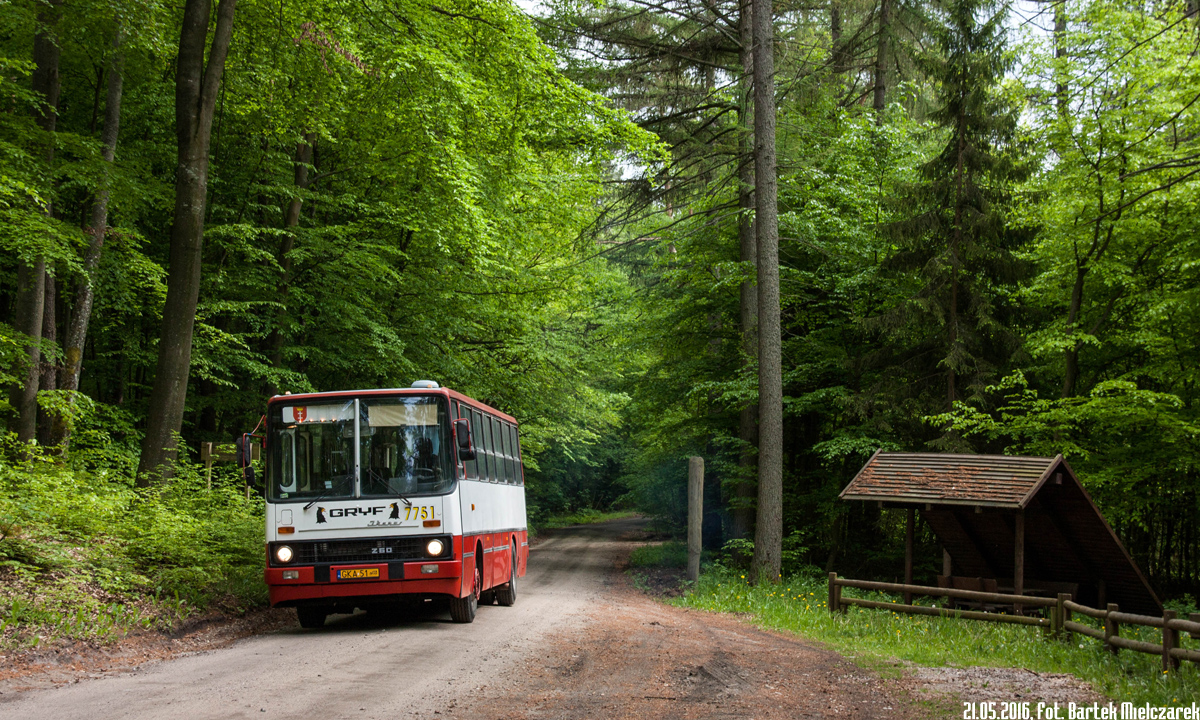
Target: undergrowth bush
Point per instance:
(86, 554)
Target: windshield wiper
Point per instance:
(312, 502)
(374, 475)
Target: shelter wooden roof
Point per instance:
(969, 502)
(990, 480)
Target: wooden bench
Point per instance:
(978, 584)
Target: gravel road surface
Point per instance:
(360, 665)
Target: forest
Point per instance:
(776, 235)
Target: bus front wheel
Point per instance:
(311, 616)
(462, 610)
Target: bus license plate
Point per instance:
(358, 574)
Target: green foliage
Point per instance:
(1048, 179)
(83, 554)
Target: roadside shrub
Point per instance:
(79, 543)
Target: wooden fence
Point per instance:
(1057, 623)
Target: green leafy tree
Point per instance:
(957, 249)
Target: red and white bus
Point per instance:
(376, 497)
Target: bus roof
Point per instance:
(384, 392)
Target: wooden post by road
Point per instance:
(206, 457)
(695, 515)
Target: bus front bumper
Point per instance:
(305, 583)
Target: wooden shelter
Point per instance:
(1026, 522)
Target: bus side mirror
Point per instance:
(243, 451)
(462, 430)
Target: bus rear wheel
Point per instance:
(312, 616)
(506, 595)
(462, 610)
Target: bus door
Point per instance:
(469, 497)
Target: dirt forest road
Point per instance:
(580, 643)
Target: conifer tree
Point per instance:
(958, 241)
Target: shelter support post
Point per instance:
(947, 565)
(908, 553)
(1019, 558)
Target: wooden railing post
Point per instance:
(835, 595)
(1170, 640)
(1064, 615)
(1112, 628)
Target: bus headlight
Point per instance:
(434, 548)
(283, 554)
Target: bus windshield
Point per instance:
(403, 448)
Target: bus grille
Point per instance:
(363, 550)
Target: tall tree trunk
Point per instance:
(84, 289)
(302, 161)
(48, 379)
(1061, 99)
(743, 506)
(879, 101)
(31, 277)
(196, 85)
(31, 297)
(956, 232)
(768, 536)
(837, 52)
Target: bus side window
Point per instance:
(497, 460)
(501, 451)
(471, 466)
(516, 455)
(516, 436)
(497, 450)
(481, 444)
(510, 477)
(489, 422)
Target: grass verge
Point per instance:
(872, 637)
(670, 554)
